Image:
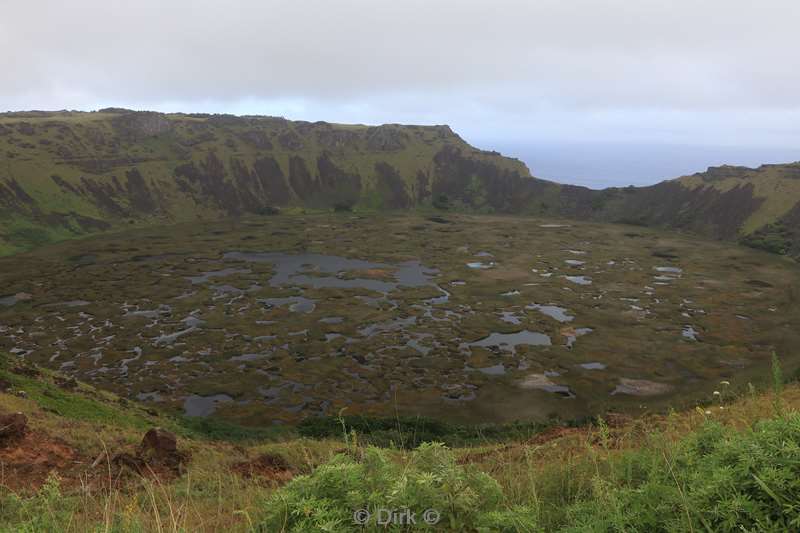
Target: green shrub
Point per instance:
(411, 431)
(441, 201)
(219, 429)
(773, 238)
(268, 210)
(466, 500)
(343, 207)
(46, 511)
(717, 480)
(29, 237)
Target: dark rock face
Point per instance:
(478, 183)
(337, 187)
(273, 182)
(103, 196)
(65, 186)
(391, 187)
(25, 128)
(705, 210)
(141, 198)
(257, 138)
(209, 178)
(386, 138)
(289, 140)
(16, 194)
(68, 220)
(300, 178)
(140, 125)
(332, 139)
(99, 166)
(248, 187)
(422, 187)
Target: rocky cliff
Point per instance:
(758, 207)
(68, 173)
(64, 174)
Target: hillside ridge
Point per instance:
(64, 174)
(67, 173)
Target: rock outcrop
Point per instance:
(12, 427)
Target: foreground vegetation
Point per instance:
(729, 465)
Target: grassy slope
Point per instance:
(555, 480)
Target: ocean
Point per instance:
(602, 164)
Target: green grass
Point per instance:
(406, 432)
(732, 467)
(87, 405)
(714, 479)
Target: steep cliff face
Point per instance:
(67, 173)
(758, 207)
(64, 174)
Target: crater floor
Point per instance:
(473, 318)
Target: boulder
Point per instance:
(156, 455)
(159, 443)
(13, 426)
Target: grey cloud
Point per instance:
(570, 52)
(621, 68)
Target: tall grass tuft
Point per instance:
(777, 385)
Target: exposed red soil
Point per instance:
(269, 467)
(26, 462)
(553, 433)
(27, 459)
(481, 456)
(614, 421)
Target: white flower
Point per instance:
(708, 412)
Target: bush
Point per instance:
(717, 480)
(29, 237)
(343, 207)
(773, 238)
(268, 210)
(47, 510)
(466, 500)
(441, 201)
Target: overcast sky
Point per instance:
(535, 78)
